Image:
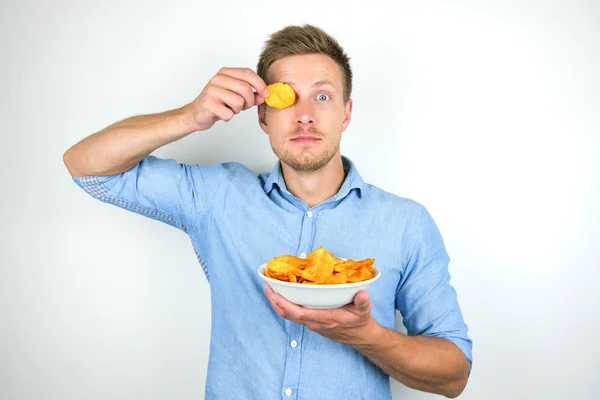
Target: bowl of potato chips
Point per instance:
(319, 280)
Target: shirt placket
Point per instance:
(293, 362)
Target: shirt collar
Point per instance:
(353, 179)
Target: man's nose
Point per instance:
(305, 113)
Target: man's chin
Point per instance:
(306, 164)
(306, 161)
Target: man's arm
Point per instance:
(429, 364)
(122, 145)
(424, 363)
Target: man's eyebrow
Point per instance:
(323, 82)
(316, 84)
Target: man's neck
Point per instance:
(316, 186)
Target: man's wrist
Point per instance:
(370, 335)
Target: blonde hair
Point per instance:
(307, 39)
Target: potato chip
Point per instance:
(281, 95)
(340, 277)
(319, 267)
(317, 272)
(286, 264)
(359, 275)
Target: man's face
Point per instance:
(306, 136)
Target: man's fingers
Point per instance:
(228, 98)
(222, 112)
(272, 297)
(229, 92)
(284, 307)
(249, 76)
(239, 87)
(258, 99)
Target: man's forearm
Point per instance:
(119, 147)
(429, 364)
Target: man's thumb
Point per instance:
(362, 299)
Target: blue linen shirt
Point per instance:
(237, 220)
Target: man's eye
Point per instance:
(323, 97)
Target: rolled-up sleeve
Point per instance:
(161, 189)
(425, 298)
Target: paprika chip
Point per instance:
(319, 267)
(281, 95)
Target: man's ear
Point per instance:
(347, 115)
(262, 117)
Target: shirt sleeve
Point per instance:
(425, 298)
(161, 189)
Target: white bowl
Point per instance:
(317, 295)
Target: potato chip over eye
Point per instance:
(281, 95)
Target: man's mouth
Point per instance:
(305, 139)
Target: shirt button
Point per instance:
(294, 343)
(288, 392)
(302, 255)
(309, 214)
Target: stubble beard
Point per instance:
(307, 162)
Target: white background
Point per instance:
(485, 112)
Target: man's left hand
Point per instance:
(351, 324)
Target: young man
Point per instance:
(262, 346)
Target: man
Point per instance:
(262, 346)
